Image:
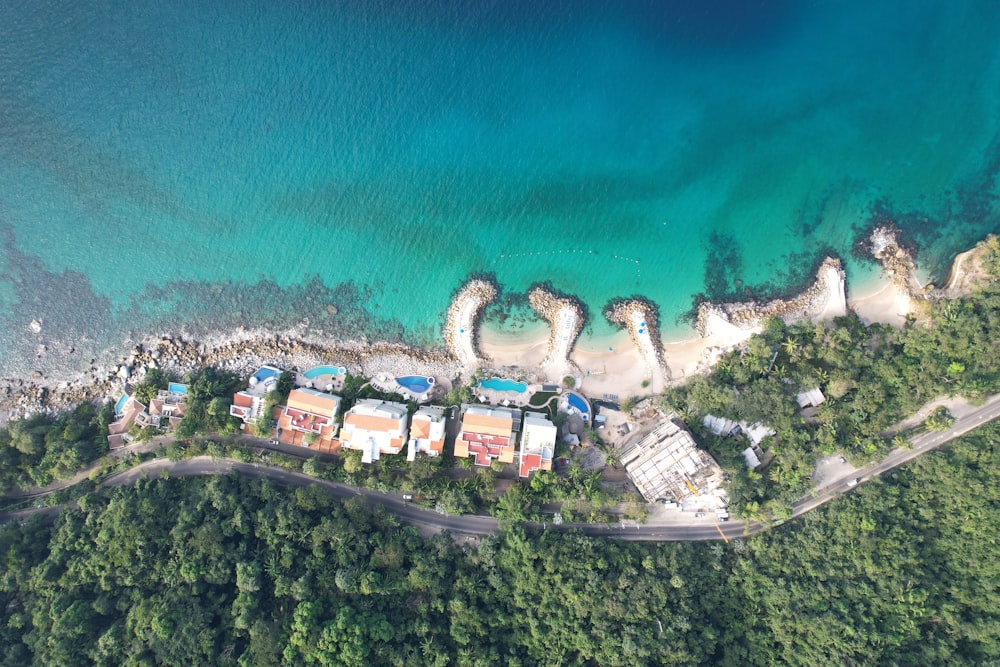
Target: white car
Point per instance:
(853, 482)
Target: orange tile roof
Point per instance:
(317, 404)
(487, 424)
(369, 423)
(243, 400)
(420, 428)
(437, 445)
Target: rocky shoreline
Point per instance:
(241, 353)
(748, 315)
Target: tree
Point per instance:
(939, 420)
(352, 462)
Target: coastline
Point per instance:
(618, 365)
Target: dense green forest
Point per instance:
(226, 570)
(872, 376)
(42, 448)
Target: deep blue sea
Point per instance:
(211, 165)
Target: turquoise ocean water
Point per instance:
(210, 165)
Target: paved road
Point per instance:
(630, 531)
(393, 502)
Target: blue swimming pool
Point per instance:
(264, 374)
(177, 388)
(316, 372)
(578, 403)
(415, 383)
(501, 384)
(120, 405)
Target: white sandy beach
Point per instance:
(883, 301)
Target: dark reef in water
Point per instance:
(969, 211)
(724, 265)
(77, 325)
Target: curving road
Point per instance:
(483, 525)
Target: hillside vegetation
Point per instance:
(231, 571)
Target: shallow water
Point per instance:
(251, 164)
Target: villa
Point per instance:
(309, 418)
(127, 409)
(375, 427)
(538, 443)
(426, 432)
(488, 432)
(167, 409)
(248, 403)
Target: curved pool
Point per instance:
(318, 371)
(578, 403)
(502, 384)
(415, 383)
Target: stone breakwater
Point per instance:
(241, 353)
(565, 316)
(896, 261)
(750, 314)
(461, 327)
(641, 319)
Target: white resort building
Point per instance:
(538, 443)
(426, 432)
(374, 428)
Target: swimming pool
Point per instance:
(415, 383)
(578, 403)
(316, 372)
(501, 384)
(177, 388)
(120, 405)
(264, 374)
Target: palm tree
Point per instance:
(791, 347)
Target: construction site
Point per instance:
(667, 466)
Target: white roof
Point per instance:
(812, 397)
(719, 425)
(750, 456)
(538, 433)
(757, 432)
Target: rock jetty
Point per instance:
(641, 318)
(461, 328)
(565, 316)
(826, 294)
(896, 260)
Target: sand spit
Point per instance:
(461, 328)
(641, 320)
(565, 316)
(824, 299)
